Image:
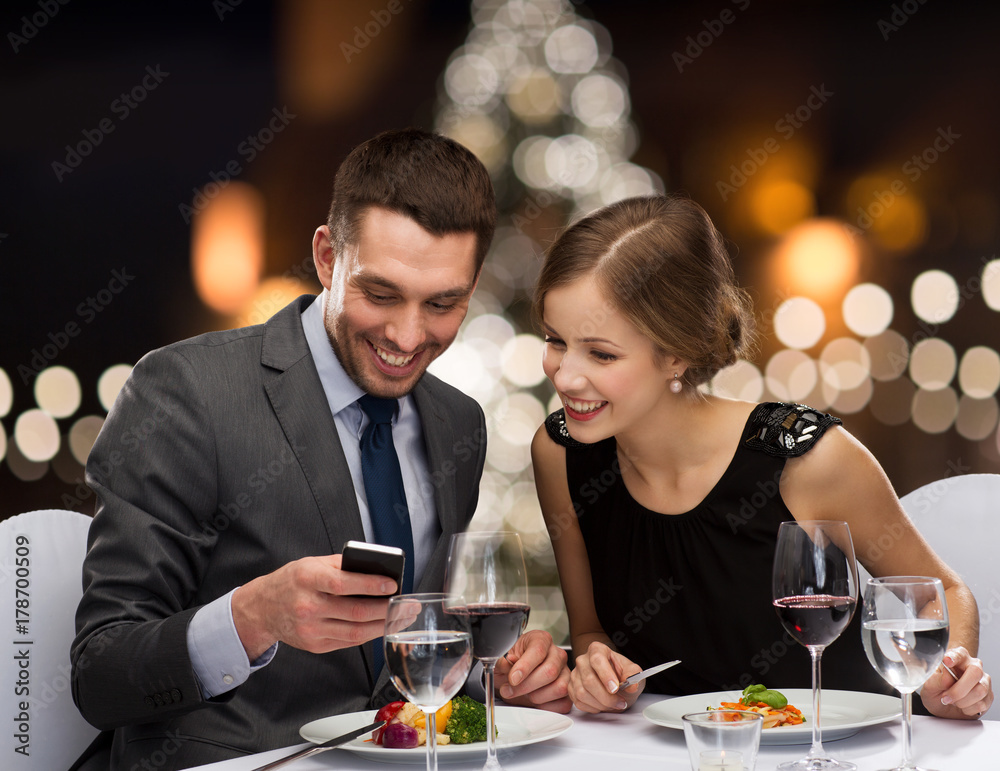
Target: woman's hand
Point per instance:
(968, 698)
(593, 683)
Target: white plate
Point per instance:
(844, 712)
(517, 726)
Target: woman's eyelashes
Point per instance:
(602, 356)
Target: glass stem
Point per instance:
(492, 764)
(907, 761)
(816, 654)
(430, 724)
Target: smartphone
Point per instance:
(374, 558)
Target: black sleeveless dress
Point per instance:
(697, 586)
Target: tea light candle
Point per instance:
(720, 760)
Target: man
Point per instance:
(215, 619)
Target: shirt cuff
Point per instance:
(219, 660)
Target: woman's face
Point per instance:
(604, 370)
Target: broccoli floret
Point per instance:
(467, 722)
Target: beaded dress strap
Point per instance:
(786, 430)
(555, 424)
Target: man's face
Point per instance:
(396, 300)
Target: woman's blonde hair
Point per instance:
(662, 264)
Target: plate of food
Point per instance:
(844, 712)
(516, 727)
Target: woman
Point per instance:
(663, 502)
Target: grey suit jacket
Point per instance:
(220, 462)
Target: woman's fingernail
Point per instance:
(946, 700)
(516, 677)
(621, 704)
(612, 686)
(506, 691)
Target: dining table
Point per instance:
(628, 740)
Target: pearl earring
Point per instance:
(676, 385)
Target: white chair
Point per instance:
(41, 554)
(960, 518)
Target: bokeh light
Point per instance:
(845, 363)
(110, 383)
(57, 391)
(889, 354)
(979, 372)
(778, 205)
(522, 415)
(934, 296)
(82, 435)
(799, 323)
(867, 310)
(892, 401)
(6, 394)
(851, 400)
(227, 245)
(791, 375)
(571, 49)
(599, 101)
(23, 468)
(935, 411)
(991, 284)
(742, 380)
(36, 435)
(977, 418)
(932, 364)
(522, 360)
(818, 259)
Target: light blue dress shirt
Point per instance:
(217, 655)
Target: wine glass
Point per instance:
(904, 628)
(487, 584)
(815, 590)
(429, 654)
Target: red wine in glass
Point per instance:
(815, 619)
(495, 627)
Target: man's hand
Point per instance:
(968, 698)
(534, 673)
(308, 604)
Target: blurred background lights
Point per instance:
(462, 366)
(991, 284)
(740, 381)
(227, 245)
(935, 411)
(934, 296)
(110, 383)
(534, 96)
(847, 364)
(522, 360)
(977, 418)
(932, 364)
(892, 401)
(57, 391)
(571, 160)
(851, 400)
(522, 415)
(867, 310)
(3, 443)
(599, 101)
(889, 354)
(979, 372)
(529, 162)
(791, 375)
(817, 258)
(6, 394)
(471, 80)
(82, 436)
(571, 49)
(778, 205)
(37, 435)
(799, 323)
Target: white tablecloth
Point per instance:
(629, 742)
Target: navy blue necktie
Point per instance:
(384, 489)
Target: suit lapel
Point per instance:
(299, 403)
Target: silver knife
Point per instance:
(328, 745)
(639, 676)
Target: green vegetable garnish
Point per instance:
(755, 693)
(467, 722)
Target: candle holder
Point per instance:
(722, 739)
